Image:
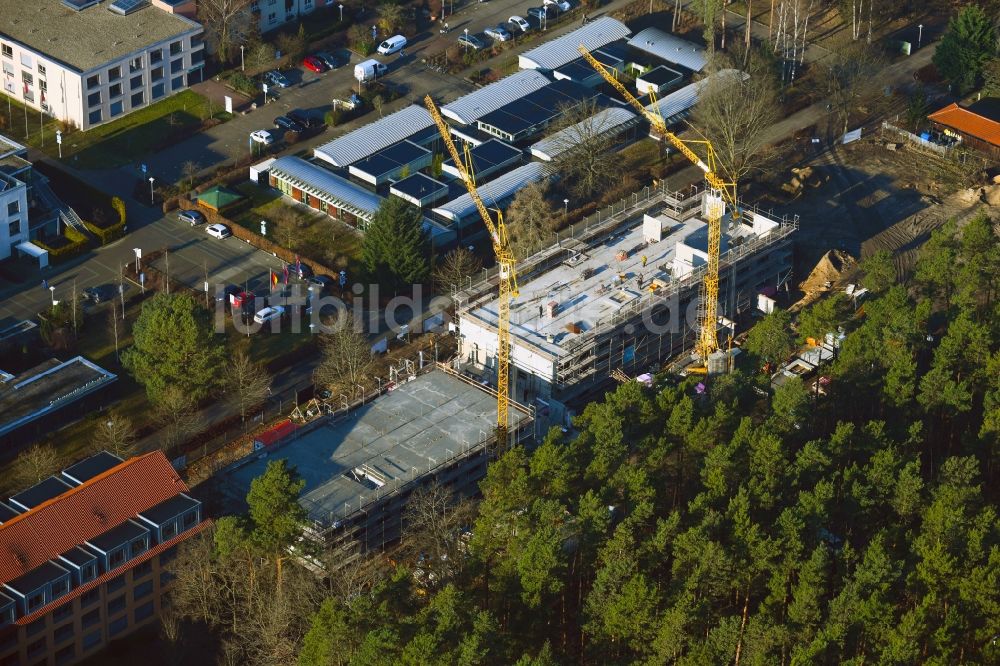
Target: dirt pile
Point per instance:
(827, 272)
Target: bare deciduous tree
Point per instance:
(530, 218)
(433, 531)
(734, 114)
(259, 56)
(456, 268)
(227, 24)
(377, 103)
(351, 572)
(347, 354)
(851, 79)
(115, 434)
(177, 416)
(247, 384)
(189, 170)
(35, 463)
(584, 138)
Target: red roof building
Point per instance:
(976, 125)
(82, 555)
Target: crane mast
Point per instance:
(505, 263)
(721, 192)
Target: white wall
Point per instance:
(479, 344)
(17, 195)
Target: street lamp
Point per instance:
(466, 40)
(151, 201)
(920, 34)
(565, 206)
(243, 65)
(52, 290)
(341, 13)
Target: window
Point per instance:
(93, 81)
(13, 208)
(142, 590)
(176, 47)
(36, 648)
(155, 56)
(135, 83)
(142, 570)
(90, 618)
(26, 60)
(165, 578)
(168, 531)
(41, 69)
(27, 78)
(158, 91)
(62, 633)
(63, 612)
(8, 68)
(8, 641)
(90, 597)
(8, 50)
(156, 74)
(135, 65)
(118, 556)
(35, 600)
(35, 627)
(13, 229)
(88, 572)
(65, 655)
(92, 639)
(42, 85)
(118, 626)
(177, 65)
(115, 90)
(143, 611)
(94, 98)
(116, 605)
(59, 588)
(177, 83)
(115, 584)
(7, 614)
(138, 546)
(190, 519)
(272, 17)
(115, 73)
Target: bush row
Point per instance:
(77, 245)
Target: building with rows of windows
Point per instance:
(89, 62)
(83, 555)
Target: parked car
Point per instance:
(100, 294)
(498, 33)
(302, 118)
(276, 78)
(314, 64)
(286, 123)
(563, 5)
(263, 136)
(331, 61)
(472, 41)
(543, 13)
(268, 314)
(321, 282)
(192, 217)
(369, 69)
(392, 45)
(219, 231)
(518, 24)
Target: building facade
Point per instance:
(84, 555)
(95, 64)
(13, 214)
(276, 14)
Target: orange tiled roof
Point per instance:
(84, 512)
(966, 122)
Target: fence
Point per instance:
(913, 138)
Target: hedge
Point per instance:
(113, 232)
(77, 245)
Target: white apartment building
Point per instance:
(275, 14)
(90, 62)
(13, 197)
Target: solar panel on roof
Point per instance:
(78, 5)
(125, 7)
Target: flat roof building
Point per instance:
(86, 563)
(613, 56)
(676, 106)
(609, 122)
(391, 163)
(359, 468)
(488, 159)
(531, 114)
(420, 190)
(619, 297)
(29, 401)
(470, 108)
(496, 194)
(670, 48)
(658, 80)
(411, 122)
(557, 52)
(91, 62)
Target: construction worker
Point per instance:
(643, 261)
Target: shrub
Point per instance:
(242, 83)
(170, 203)
(291, 137)
(77, 244)
(119, 207)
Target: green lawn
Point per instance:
(116, 143)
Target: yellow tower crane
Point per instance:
(505, 262)
(721, 193)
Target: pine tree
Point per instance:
(965, 48)
(396, 248)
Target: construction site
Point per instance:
(618, 299)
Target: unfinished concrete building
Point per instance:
(360, 466)
(621, 296)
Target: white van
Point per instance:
(392, 45)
